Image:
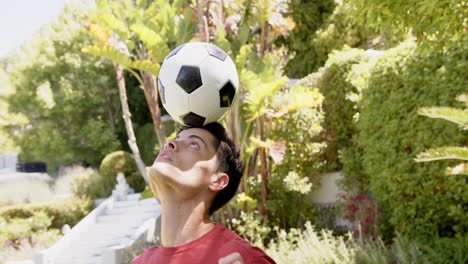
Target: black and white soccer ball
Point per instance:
(197, 83)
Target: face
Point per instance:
(187, 164)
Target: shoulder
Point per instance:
(235, 243)
(145, 256)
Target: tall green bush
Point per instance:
(69, 211)
(419, 198)
(333, 82)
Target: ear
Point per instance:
(219, 182)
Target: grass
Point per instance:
(38, 191)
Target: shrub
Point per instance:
(136, 182)
(340, 104)
(93, 185)
(29, 227)
(419, 198)
(292, 179)
(69, 211)
(121, 161)
(310, 246)
(117, 161)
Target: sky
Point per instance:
(19, 19)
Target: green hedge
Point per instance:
(334, 82)
(117, 161)
(417, 197)
(36, 220)
(69, 211)
(121, 161)
(93, 185)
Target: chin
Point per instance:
(161, 170)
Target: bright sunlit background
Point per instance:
(19, 20)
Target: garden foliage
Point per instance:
(65, 96)
(418, 198)
(312, 246)
(431, 22)
(323, 27)
(23, 220)
(334, 83)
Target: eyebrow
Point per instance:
(201, 139)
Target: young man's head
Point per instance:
(199, 163)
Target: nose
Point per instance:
(170, 144)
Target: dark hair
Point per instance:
(229, 162)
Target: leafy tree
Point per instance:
(431, 22)
(7, 119)
(326, 26)
(65, 96)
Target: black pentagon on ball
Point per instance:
(216, 52)
(189, 78)
(174, 51)
(226, 94)
(161, 91)
(193, 120)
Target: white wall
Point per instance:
(8, 162)
(328, 191)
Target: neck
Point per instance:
(183, 221)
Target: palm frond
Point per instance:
(146, 65)
(451, 114)
(443, 153)
(296, 98)
(108, 52)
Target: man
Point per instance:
(195, 174)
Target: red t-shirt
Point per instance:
(207, 249)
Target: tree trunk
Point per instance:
(128, 121)
(151, 95)
(263, 168)
(110, 108)
(202, 22)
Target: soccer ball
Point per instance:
(197, 83)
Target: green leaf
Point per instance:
(148, 36)
(108, 52)
(146, 65)
(296, 98)
(443, 153)
(451, 114)
(114, 24)
(258, 92)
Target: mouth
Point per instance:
(164, 156)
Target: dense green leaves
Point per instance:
(431, 22)
(418, 197)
